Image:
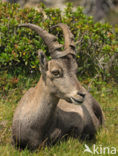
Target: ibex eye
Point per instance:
(56, 72)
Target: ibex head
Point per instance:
(59, 74)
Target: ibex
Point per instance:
(58, 106)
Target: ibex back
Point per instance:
(58, 105)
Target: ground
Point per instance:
(106, 136)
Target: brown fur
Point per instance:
(49, 111)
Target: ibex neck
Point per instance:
(45, 104)
(44, 94)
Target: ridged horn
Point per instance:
(68, 38)
(49, 39)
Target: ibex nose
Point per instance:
(81, 94)
(78, 98)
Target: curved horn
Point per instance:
(49, 39)
(69, 46)
(68, 36)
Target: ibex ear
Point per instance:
(43, 63)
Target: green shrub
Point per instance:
(96, 43)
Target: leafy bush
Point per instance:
(96, 43)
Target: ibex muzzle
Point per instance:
(44, 113)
